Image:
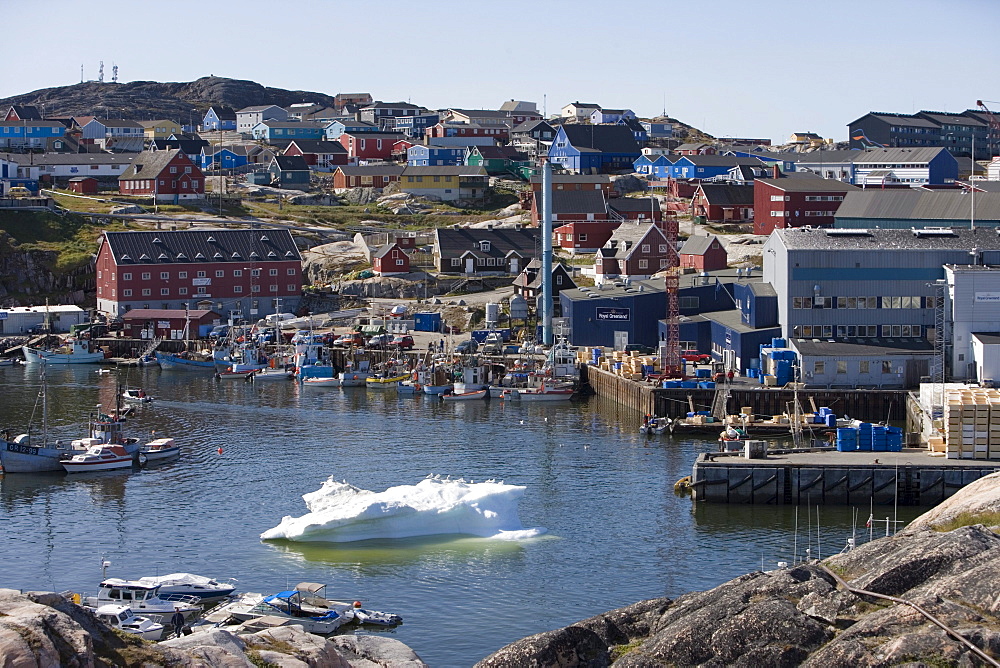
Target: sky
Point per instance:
(755, 68)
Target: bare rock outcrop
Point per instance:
(980, 497)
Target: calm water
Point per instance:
(616, 532)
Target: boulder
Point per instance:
(376, 651)
(311, 650)
(982, 496)
(360, 196)
(570, 647)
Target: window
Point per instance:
(819, 367)
(125, 277)
(841, 331)
(643, 264)
(291, 272)
(182, 274)
(663, 248)
(689, 302)
(164, 292)
(272, 272)
(254, 288)
(173, 170)
(292, 287)
(146, 276)
(777, 198)
(823, 302)
(645, 248)
(802, 302)
(664, 263)
(126, 293)
(237, 289)
(145, 292)
(255, 273)
(886, 366)
(827, 331)
(237, 273)
(456, 262)
(219, 273)
(273, 288)
(201, 274)
(581, 237)
(182, 291)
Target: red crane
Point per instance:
(671, 364)
(993, 131)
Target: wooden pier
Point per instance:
(910, 478)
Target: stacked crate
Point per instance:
(972, 424)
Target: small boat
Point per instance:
(438, 389)
(409, 388)
(184, 361)
(267, 374)
(137, 396)
(160, 448)
(354, 378)
(316, 381)
(231, 374)
(542, 393)
(7, 361)
(102, 371)
(104, 457)
(654, 425)
(143, 598)
(379, 382)
(74, 351)
(188, 584)
(122, 618)
(466, 396)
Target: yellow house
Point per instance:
(160, 129)
(445, 182)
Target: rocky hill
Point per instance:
(859, 609)
(147, 100)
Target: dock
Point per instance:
(911, 477)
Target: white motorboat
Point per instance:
(188, 584)
(466, 396)
(654, 425)
(102, 457)
(354, 378)
(321, 382)
(7, 361)
(137, 396)
(409, 388)
(160, 448)
(122, 618)
(306, 607)
(268, 374)
(543, 392)
(74, 351)
(143, 598)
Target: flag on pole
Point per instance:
(868, 524)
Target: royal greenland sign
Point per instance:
(616, 314)
(988, 297)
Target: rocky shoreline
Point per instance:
(937, 604)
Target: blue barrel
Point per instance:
(777, 343)
(846, 446)
(831, 420)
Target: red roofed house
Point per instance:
(321, 156)
(143, 323)
(704, 254)
(390, 259)
(168, 176)
(369, 145)
(723, 203)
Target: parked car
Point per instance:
(695, 356)
(468, 346)
(639, 349)
(18, 191)
(219, 332)
(493, 345)
(350, 339)
(378, 341)
(402, 341)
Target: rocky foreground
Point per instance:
(802, 616)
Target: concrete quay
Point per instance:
(825, 477)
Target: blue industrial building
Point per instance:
(904, 209)
(422, 155)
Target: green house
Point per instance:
(497, 160)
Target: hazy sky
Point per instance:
(757, 68)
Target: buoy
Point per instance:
(357, 604)
(220, 451)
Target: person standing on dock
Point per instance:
(177, 621)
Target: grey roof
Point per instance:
(697, 245)
(480, 113)
(804, 238)
(73, 158)
(726, 277)
(224, 113)
(26, 111)
(730, 319)
(318, 146)
(235, 149)
(722, 194)
(575, 178)
(443, 170)
(825, 157)
(453, 242)
(625, 239)
(577, 202)
(190, 146)
(117, 123)
(720, 160)
(818, 348)
(371, 170)
(898, 155)
(603, 138)
(943, 205)
(988, 338)
(584, 105)
(899, 119)
(944, 117)
(182, 247)
(383, 250)
(763, 289)
(810, 183)
(391, 136)
(390, 105)
(293, 124)
(256, 108)
(31, 123)
(148, 165)
(693, 146)
(987, 186)
(291, 163)
(634, 204)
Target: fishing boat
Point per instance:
(122, 618)
(354, 378)
(471, 377)
(143, 598)
(409, 387)
(184, 361)
(466, 396)
(176, 585)
(160, 448)
(73, 351)
(268, 374)
(7, 361)
(317, 381)
(435, 380)
(305, 606)
(104, 457)
(136, 395)
(654, 425)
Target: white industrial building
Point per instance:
(974, 311)
(22, 320)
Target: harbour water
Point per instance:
(615, 531)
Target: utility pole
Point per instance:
(547, 253)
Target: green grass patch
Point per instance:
(618, 651)
(989, 518)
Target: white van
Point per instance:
(275, 318)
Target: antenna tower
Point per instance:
(100, 73)
(114, 74)
(81, 72)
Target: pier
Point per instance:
(824, 477)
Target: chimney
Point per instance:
(775, 172)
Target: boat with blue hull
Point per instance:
(184, 363)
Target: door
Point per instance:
(513, 266)
(621, 340)
(470, 265)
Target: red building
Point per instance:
(584, 236)
(84, 185)
(171, 324)
(635, 250)
(168, 176)
(240, 273)
(390, 259)
(723, 203)
(366, 176)
(704, 254)
(450, 129)
(319, 155)
(796, 202)
(369, 145)
(399, 149)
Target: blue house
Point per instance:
(594, 149)
(229, 157)
(338, 127)
(637, 128)
(658, 129)
(219, 118)
(707, 166)
(34, 134)
(287, 130)
(290, 171)
(421, 155)
(654, 166)
(414, 126)
(612, 116)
